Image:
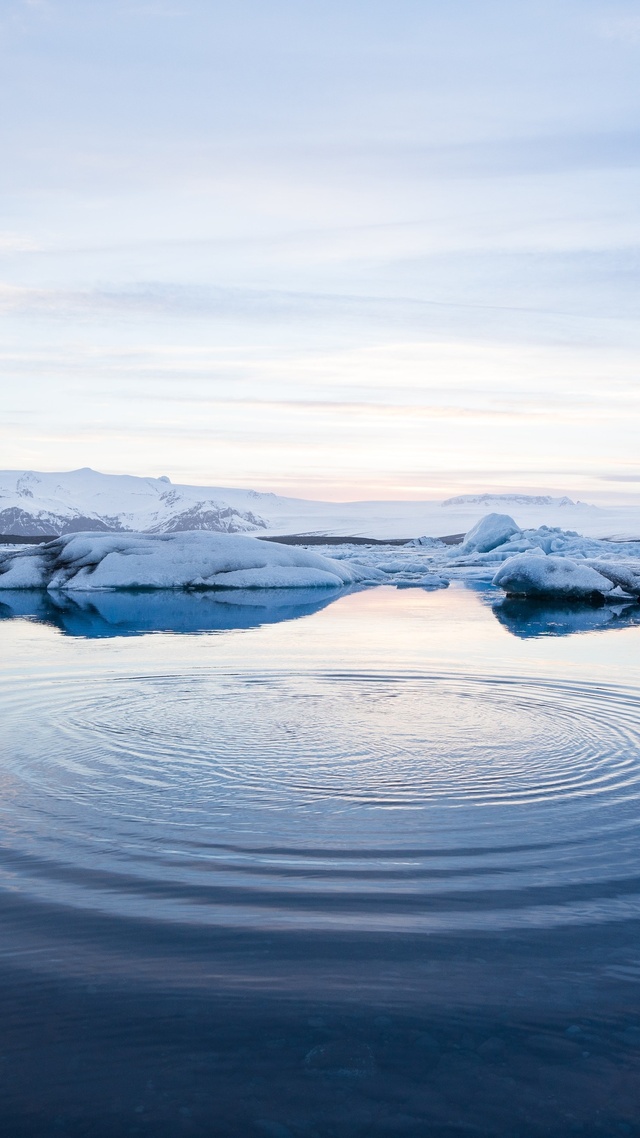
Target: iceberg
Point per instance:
(491, 531)
(191, 560)
(547, 561)
(537, 575)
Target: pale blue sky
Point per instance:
(332, 249)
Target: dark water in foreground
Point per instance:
(286, 867)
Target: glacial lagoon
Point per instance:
(319, 864)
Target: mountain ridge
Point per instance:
(57, 503)
(42, 504)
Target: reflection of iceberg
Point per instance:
(530, 618)
(122, 613)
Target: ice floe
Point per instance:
(88, 561)
(543, 562)
(535, 575)
(589, 565)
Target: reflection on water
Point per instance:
(369, 872)
(527, 618)
(133, 613)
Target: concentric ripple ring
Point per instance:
(418, 801)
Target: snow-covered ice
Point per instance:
(535, 575)
(624, 575)
(489, 532)
(590, 565)
(543, 562)
(88, 561)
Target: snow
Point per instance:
(90, 561)
(84, 500)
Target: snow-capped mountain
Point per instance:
(33, 503)
(50, 504)
(492, 501)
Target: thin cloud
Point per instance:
(620, 477)
(199, 302)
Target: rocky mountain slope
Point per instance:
(51, 504)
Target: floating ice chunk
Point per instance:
(533, 575)
(428, 581)
(195, 559)
(626, 577)
(425, 543)
(396, 566)
(433, 581)
(491, 531)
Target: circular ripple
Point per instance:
(352, 738)
(420, 801)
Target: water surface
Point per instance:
(305, 865)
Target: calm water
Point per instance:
(297, 865)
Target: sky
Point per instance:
(337, 249)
